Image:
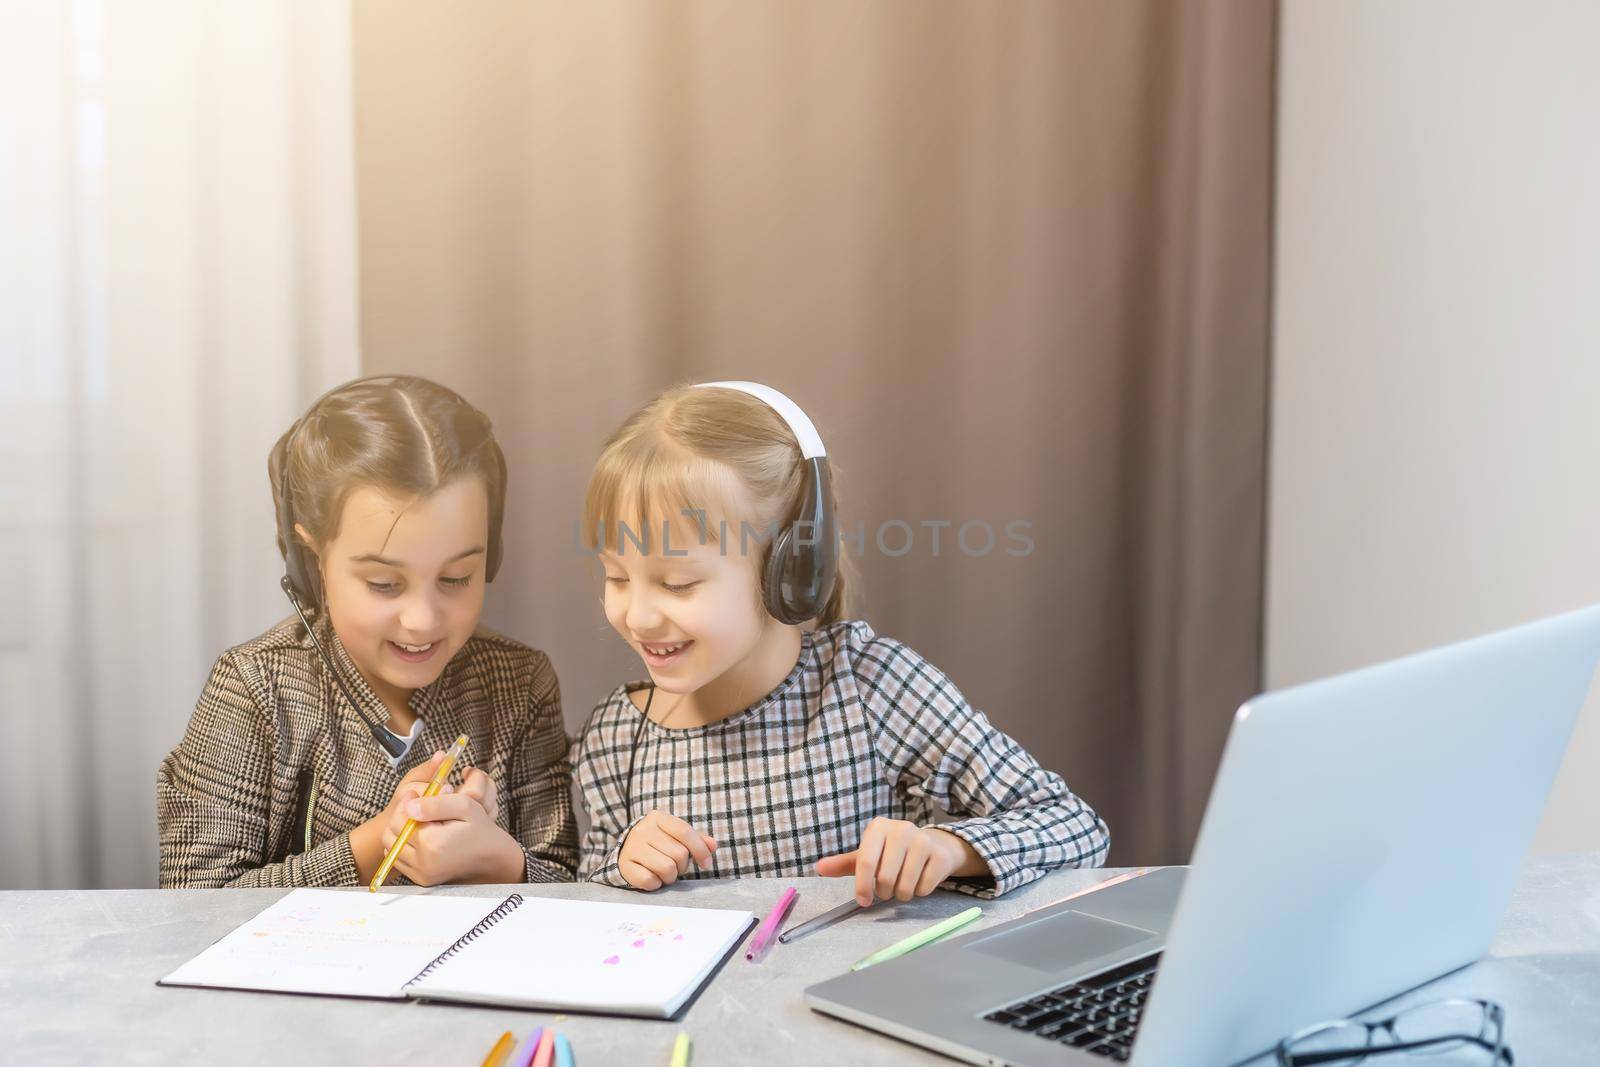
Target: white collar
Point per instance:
(408, 739)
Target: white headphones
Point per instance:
(799, 573)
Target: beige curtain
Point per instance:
(1012, 258)
(177, 281)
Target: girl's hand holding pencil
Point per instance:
(367, 840)
(455, 837)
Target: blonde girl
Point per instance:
(765, 743)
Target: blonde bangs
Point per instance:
(639, 489)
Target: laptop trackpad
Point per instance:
(1057, 942)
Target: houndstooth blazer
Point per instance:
(275, 768)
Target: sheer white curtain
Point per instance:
(177, 279)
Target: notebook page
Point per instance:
(630, 959)
(337, 942)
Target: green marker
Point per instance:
(916, 941)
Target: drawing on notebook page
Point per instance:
(637, 936)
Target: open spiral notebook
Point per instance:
(525, 952)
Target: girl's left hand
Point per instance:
(900, 859)
(456, 839)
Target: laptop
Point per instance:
(1362, 838)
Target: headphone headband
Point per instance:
(788, 410)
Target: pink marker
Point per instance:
(767, 932)
(545, 1050)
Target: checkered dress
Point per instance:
(275, 768)
(861, 727)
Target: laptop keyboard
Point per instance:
(1098, 1014)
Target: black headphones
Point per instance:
(302, 580)
(802, 562)
(798, 575)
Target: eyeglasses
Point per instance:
(1427, 1030)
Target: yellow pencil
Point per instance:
(501, 1050)
(680, 1051)
(434, 785)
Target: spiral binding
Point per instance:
(507, 906)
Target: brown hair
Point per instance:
(708, 450)
(399, 434)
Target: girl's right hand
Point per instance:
(659, 849)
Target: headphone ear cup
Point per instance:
(304, 579)
(778, 573)
(301, 567)
(790, 581)
(801, 571)
(313, 573)
(491, 563)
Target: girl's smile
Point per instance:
(664, 656)
(413, 653)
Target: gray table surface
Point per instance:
(78, 972)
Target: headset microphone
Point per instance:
(395, 746)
